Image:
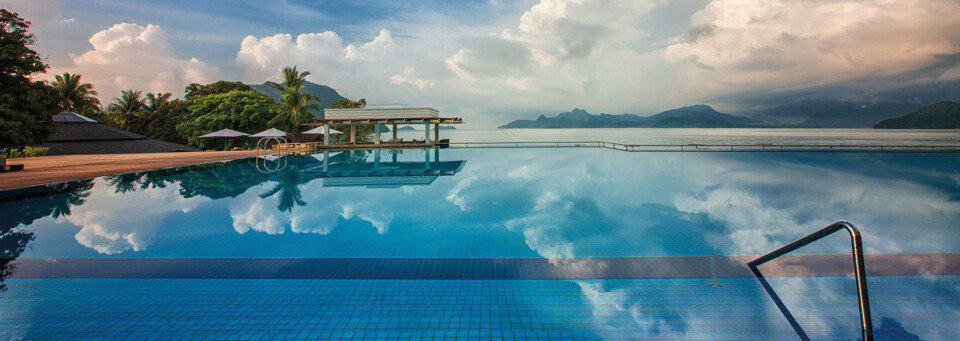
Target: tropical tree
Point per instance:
(246, 111)
(157, 100)
(26, 107)
(127, 108)
(195, 90)
(344, 103)
(291, 79)
(75, 95)
(294, 106)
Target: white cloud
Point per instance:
(113, 223)
(130, 56)
(323, 54)
(383, 43)
(792, 43)
(250, 212)
(408, 77)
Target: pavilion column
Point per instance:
(394, 132)
(426, 159)
(376, 159)
(436, 132)
(376, 133)
(326, 134)
(426, 132)
(326, 160)
(353, 133)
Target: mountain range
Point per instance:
(326, 94)
(695, 116)
(940, 115)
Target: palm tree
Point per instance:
(157, 100)
(126, 108)
(76, 96)
(153, 114)
(291, 78)
(295, 106)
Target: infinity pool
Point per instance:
(486, 243)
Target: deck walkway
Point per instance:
(51, 169)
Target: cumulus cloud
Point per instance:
(130, 56)
(251, 212)
(323, 54)
(112, 223)
(793, 43)
(408, 77)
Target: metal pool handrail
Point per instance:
(860, 274)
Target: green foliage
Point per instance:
(195, 90)
(75, 95)
(27, 151)
(291, 79)
(16, 57)
(26, 112)
(348, 104)
(246, 111)
(26, 107)
(162, 122)
(294, 108)
(125, 110)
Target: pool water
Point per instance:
(485, 243)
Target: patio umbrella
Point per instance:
(319, 131)
(225, 134)
(272, 132)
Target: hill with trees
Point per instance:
(940, 115)
(695, 116)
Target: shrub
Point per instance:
(28, 151)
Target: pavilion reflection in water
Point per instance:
(349, 169)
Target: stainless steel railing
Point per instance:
(859, 273)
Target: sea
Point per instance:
(706, 136)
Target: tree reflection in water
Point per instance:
(14, 238)
(288, 185)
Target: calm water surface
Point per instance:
(242, 239)
(887, 137)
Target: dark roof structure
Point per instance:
(78, 134)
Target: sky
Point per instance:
(493, 61)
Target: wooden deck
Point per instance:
(50, 169)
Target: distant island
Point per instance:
(940, 115)
(695, 116)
